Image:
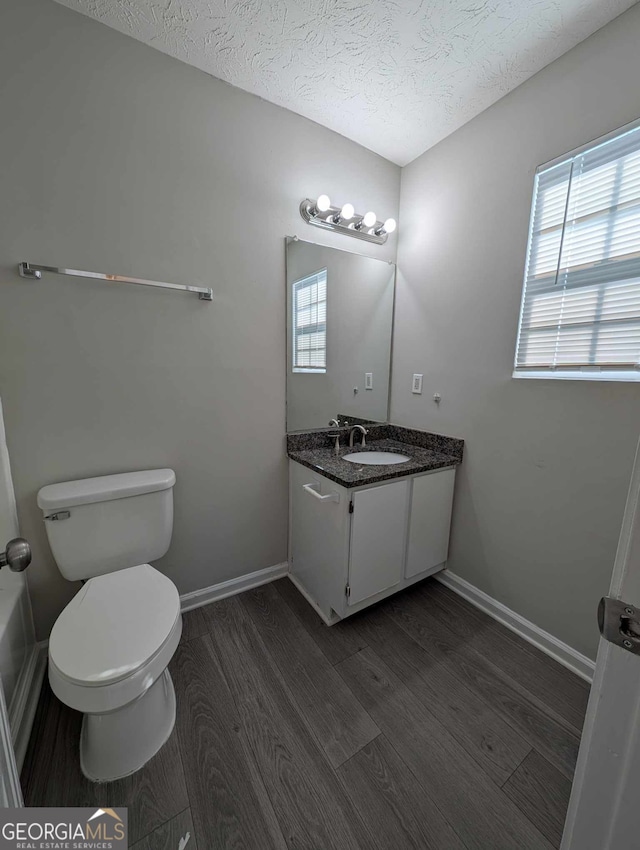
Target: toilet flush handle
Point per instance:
(17, 555)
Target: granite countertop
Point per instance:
(322, 459)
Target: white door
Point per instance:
(604, 809)
(16, 635)
(378, 533)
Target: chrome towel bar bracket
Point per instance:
(33, 271)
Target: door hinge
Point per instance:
(350, 507)
(619, 623)
(347, 591)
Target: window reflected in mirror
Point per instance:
(309, 321)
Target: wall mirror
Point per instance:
(339, 328)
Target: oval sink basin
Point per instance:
(377, 458)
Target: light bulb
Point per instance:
(323, 203)
(369, 219)
(390, 225)
(347, 212)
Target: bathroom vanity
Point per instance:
(360, 532)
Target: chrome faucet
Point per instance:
(334, 422)
(352, 431)
(336, 445)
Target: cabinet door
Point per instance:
(378, 533)
(319, 537)
(430, 521)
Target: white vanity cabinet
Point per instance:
(350, 547)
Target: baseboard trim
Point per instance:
(25, 700)
(198, 598)
(547, 643)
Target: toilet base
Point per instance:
(117, 744)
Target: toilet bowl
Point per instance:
(110, 647)
(108, 657)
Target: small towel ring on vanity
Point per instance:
(330, 497)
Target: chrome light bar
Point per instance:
(345, 220)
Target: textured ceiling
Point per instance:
(394, 75)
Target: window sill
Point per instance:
(297, 371)
(559, 375)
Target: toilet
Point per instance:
(110, 647)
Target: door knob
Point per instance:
(17, 555)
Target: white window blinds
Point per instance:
(581, 302)
(310, 323)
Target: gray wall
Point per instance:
(542, 489)
(118, 158)
(359, 326)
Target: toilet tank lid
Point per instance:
(104, 488)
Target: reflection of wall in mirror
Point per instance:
(359, 324)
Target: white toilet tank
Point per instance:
(100, 525)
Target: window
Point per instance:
(310, 323)
(580, 315)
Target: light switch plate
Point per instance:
(416, 385)
(368, 380)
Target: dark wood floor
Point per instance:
(420, 723)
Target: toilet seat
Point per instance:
(114, 639)
(114, 625)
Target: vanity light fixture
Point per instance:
(388, 227)
(322, 204)
(346, 214)
(368, 220)
(344, 219)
